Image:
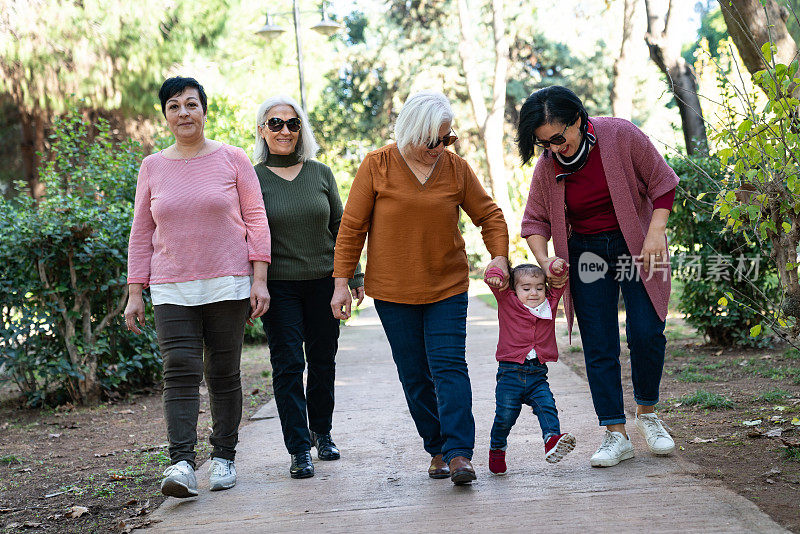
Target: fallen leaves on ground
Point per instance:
(130, 524)
(702, 440)
(76, 511)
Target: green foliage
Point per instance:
(690, 374)
(760, 200)
(113, 54)
(712, 28)
(792, 354)
(227, 122)
(488, 299)
(773, 395)
(345, 138)
(706, 399)
(254, 333)
(62, 274)
(723, 308)
(792, 453)
(11, 459)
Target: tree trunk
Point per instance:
(751, 24)
(32, 146)
(622, 83)
(665, 52)
(490, 121)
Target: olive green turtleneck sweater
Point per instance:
(304, 216)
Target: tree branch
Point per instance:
(113, 313)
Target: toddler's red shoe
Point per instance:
(557, 447)
(497, 461)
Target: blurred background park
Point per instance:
(79, 109)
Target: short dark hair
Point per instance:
(554, 104)
(526, 268)
(175, 86)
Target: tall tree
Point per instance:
(490, 120)
(665, 51)
(622, 82)
(109, 55)
(751, 23)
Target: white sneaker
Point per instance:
(179, 481)
(615, 448)
(222, 474)
(658, 439)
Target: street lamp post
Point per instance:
(296, 19)
(325, 26)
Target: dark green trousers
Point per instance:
(199, 341)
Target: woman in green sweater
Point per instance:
(302, 199)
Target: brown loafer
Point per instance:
(461, 471)
(438, 468)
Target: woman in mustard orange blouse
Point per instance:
(407, 196)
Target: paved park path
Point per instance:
(381, 483)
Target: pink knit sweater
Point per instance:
(197, 220)
(636, 174)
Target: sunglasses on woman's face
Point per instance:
(276, 125)
(557, 139)
(447, 140)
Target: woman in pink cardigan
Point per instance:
(201, 242)
(603, 193)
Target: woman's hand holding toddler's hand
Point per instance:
(557, 271)
(500, 262)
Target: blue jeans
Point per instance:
(518, 384)
(428, 344)
(596, 310)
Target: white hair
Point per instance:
(307, 146)
(421, 117)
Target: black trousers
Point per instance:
(300, 312)
(183, 334)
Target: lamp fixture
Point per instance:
(270, 29)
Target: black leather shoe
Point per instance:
(301, 465)
(326, 448)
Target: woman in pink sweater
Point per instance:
(603, 193)
(200, 241)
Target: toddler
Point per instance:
(526, 313)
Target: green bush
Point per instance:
(254, 333)
(62, 274)
(723, 310)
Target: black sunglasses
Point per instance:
(447, 140)
(276, 125)
(557, 139)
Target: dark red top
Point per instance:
(589, 206)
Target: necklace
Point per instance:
(185, 159)
(425, 177)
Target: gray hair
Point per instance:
(307, 146)
(421, 117)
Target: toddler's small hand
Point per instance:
(494, 281)
(557, 267)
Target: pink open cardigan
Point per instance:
(636, 175)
